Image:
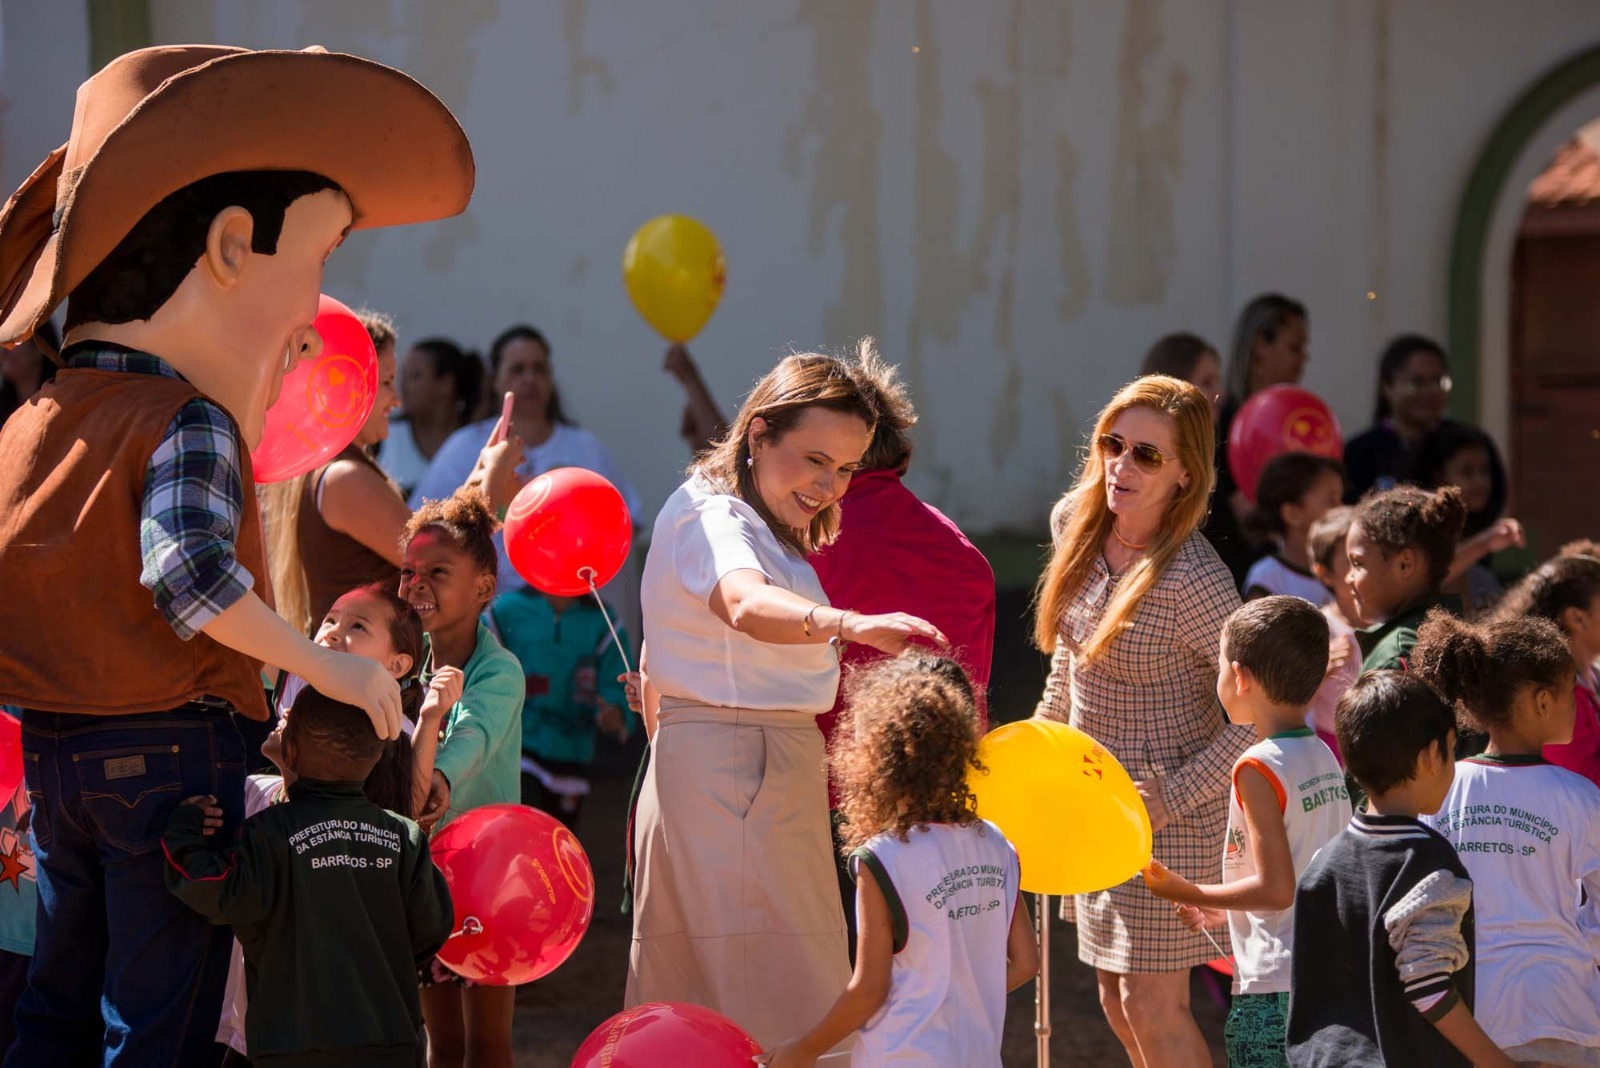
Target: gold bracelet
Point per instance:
(805, 623)
(837, 641)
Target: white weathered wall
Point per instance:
(1015, 196)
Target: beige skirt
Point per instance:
(736, 905)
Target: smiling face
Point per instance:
(1133, 491)
(1419, 392)
(359, 623)
(1382, 582)
(376, 428)
(807, 469)
(440, 580)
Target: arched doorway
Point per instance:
(1492, 210)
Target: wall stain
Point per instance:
(1071, 252)
(1380, 164)
(1149, 159)
(582, 65)
(579, 269)
(997, 235)
(842, 130)
(936, 193)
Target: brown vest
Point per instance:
(80, 633)
(335, 563)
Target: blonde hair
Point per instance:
(1086, 519)
(803, 380)
(280, 515)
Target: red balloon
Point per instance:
(566, 526)
(523, 893)
(10, 756)
(662, 1033)
(323, 402)
(1277, 420)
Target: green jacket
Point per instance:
(335, 902)
(1386, 646)
(481, 754)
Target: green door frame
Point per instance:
(115, 27)
(1511, 136)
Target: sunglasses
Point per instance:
(1148, 457)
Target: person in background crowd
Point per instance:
(1269, 349)
(1294, 492)
(896, 553)
(703, 422)
(572, 667)
(440, 386)
(1130, 607)
(1190, 358)
(1463, 456)
(26, 368)
(1331, 565)
(1566, 591)
(1413, 392)
(520, 365)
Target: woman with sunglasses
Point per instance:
(1130, 608)
(1413, 393)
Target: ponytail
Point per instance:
(1481, 668)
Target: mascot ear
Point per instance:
(228, 245)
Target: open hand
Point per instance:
(1504, 534)
(891, 633)
(355, 680)
(207, 804)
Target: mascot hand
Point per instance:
(361, 682)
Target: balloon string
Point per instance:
(1221, 953)
(587, 574)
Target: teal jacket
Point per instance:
(569, 665)
(481, 754)
(335, 902)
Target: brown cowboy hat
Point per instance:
(158, 119)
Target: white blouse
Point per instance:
(700, 536)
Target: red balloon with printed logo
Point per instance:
(663, 1032)
(566, 527)
(10, 756)
(1277, 420)
(523, 893)
(323, 402)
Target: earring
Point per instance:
(750, 461)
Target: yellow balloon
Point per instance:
(1065, 803)
(674, 271)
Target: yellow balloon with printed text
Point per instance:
(1062, 799)
(674, 270)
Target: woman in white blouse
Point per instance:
(735, 903)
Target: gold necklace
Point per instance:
(1126, 544)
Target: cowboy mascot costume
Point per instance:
(185, 223)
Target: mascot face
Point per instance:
(270, 306)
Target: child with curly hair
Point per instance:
(941, 931)
(1401, 545)
(448, 576)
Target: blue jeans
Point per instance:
(123, 973)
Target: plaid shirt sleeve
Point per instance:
(189, 521)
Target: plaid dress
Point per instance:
(1151, 699)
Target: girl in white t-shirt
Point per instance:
(1294, 491)
(942, 932)
(1528, 833)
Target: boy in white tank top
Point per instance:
(1288, 799)
(942, 935)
